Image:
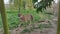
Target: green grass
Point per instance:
(13, 19)
(44, 26)
(27, 30)
(0, 21)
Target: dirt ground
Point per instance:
(52, 30)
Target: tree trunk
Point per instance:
(21, 4)
(58, 29)
(4, 18)
(18, 4)
(11, 5)
(29, 4)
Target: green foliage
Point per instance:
(44, 4)
(35, 1)
(27, 30)
(0, 21)
(44, 26)
(24, 24)
(13, 19)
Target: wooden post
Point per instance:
(58, 28)
(4, 18)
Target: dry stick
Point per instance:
(58, 27)
(4, 19)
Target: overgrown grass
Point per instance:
(27, 30)
(13, 19)
(0, 21)
(44, 26)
